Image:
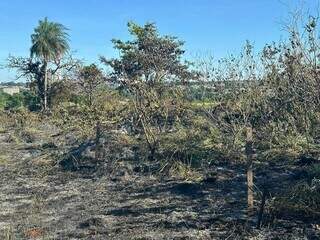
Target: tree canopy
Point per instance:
(148, 57)
(49, 41)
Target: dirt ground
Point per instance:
(40, 200)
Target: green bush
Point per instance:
(25, 99)
(3, 99)
(31, 101)
(14, 102)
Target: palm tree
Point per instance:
(49, 43)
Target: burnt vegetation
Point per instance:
(150, 146)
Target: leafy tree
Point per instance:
(89, 78)
(149, 58)
(149, 68)
(49, 43)
(33, 70)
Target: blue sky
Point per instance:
(216, 26)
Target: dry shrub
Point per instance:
(34, 233)
(183, 171)
(301, 202)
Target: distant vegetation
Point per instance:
(12, 83)
(24, 100)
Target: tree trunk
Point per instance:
(249, 153)
(45, 88)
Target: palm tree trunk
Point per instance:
(45, 89)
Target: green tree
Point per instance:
(32, 70)
(49, 43)
(149, 68)
(89, 78)
(149, 58)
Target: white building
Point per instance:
(10, 89)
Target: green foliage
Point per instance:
(4, 97)
(89, 78)
(31, 101)
(14, 102)
(24, 99)
(34, 70)
(49, 44)
(149, 57)
(148, 68)
(49, 40)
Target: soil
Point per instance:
(41, 200)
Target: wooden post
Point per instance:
(249, 155)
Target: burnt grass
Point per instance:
(41, 200)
